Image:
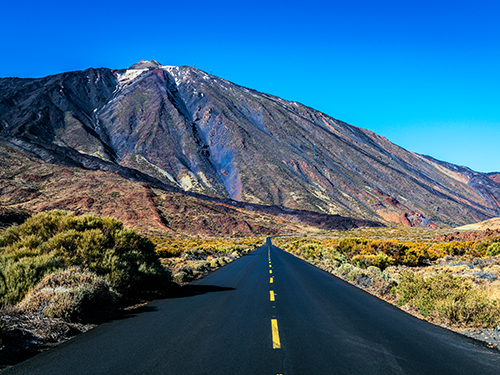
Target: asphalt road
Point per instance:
(267, 313)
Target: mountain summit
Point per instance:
(144, 64)
(185, 129)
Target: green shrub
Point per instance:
(329, 253)
(379, 260)
(57, 240)
(18, 276)
(310, 250)
(480, 248)
(493, 249)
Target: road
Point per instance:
(267, 313)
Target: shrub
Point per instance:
(18, 276)
(410, 254)
(175, 247)
(372, 278)
(379, 260)
(330, 253)
(493, 249)
(73, 295)
(57, 240)
(480, 248)
(168, 252)
(310, 250)
(436, 251)
(390, 248)
(351, 245)
(446, 296)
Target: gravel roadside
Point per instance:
(489, 336)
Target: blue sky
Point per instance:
(424, 74)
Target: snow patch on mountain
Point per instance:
(129, 75)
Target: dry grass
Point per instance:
(73, 295)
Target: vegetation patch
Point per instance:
(453, 283)
(188, 259)
(61, 273)
(376, 250)
(73, 295)
(174, 247)
(53, 241)
(446, 297)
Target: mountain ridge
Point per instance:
(184, 129)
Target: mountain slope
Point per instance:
(184, 129)
(487, 225)
(30, 186)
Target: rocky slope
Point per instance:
(494, 176)
(179, 128)
(28, 186)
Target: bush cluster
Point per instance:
(174, 247)
(442, 297)
(448, 296)
(383, 253)
(72, 294)
(57, 240)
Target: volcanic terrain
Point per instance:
(151, 132)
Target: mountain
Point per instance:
(31, 186)
(181, 129)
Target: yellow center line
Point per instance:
(270, 271)
(271, 292)
(276, 335)
(271, 280)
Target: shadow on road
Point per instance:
(194, 290)
(182, 292)
(133, 312)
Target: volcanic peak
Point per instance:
(145, 64)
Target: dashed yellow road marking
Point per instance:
(276, 335)
(271, 292)
(270, 271)
(271, 280)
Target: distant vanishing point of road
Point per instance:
(267, 313)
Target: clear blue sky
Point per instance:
(424, 74)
